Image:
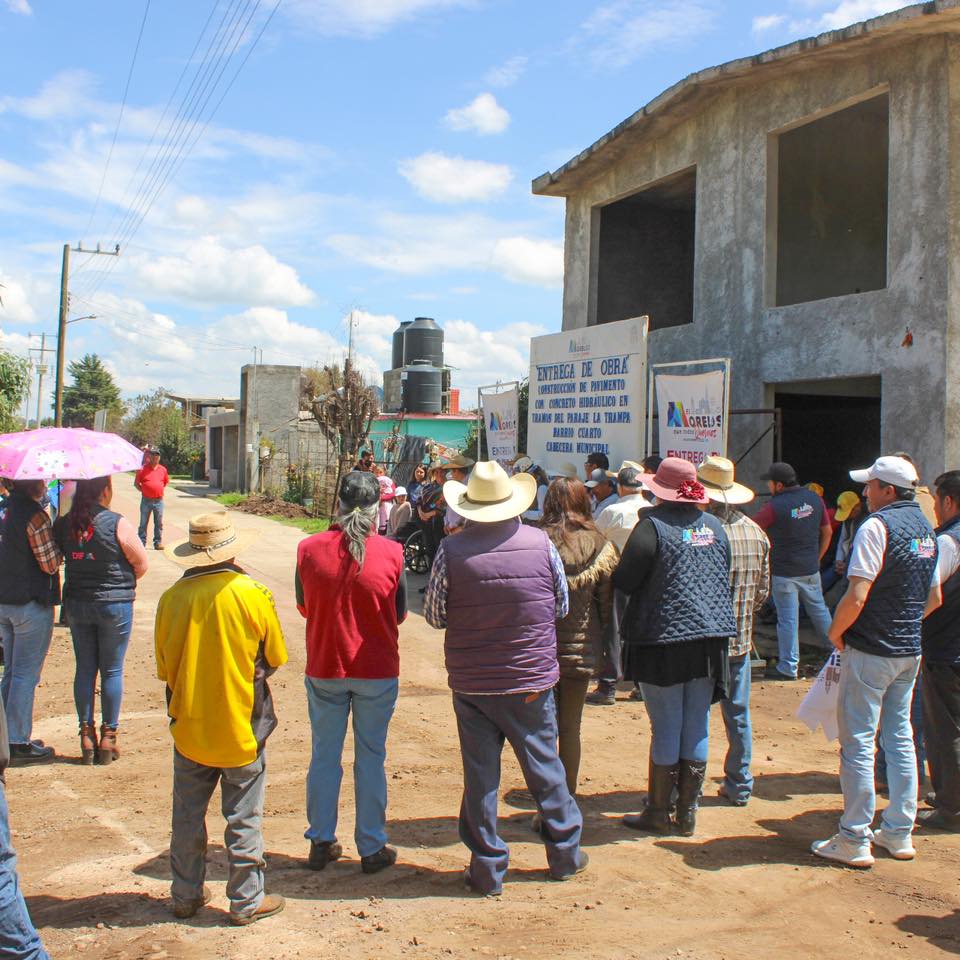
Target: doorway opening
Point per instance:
(829, 427)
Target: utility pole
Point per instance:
(62, 324)
(41, 370)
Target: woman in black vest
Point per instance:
(103, 560)
(675, 631)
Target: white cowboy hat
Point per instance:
(716, 474)
(213, 539)
(490, 495)
(567, 470)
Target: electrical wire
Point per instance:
(116, 131)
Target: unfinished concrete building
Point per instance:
(798, 212)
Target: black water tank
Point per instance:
(398, 336)
(423, 340)
(422, 388)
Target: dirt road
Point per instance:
(92, 841)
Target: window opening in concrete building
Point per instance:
(829, 428)
(830, 197)
(645, 254)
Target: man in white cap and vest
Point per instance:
(893, 585)
(498, 589)
(217, 639)
(749, 588)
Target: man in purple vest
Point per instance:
(498, 589)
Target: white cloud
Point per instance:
(416, 246)
(482, 357)
(482, 115)
(446, 179)
(209, 272)
(524, 260)
(367, 18)
(853, 11)
(19, 6)
(16, 307)
(768, 22)
(507, 73)
(621, 31)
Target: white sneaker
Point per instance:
(843, 851)
(900, 848)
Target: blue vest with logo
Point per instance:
(890, 622)
(941, 630)
(795, 533)
(95, 565)
(687, 594)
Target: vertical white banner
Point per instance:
(501, 413)
(690, 411)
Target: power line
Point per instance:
(116, 131)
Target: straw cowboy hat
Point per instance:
(213, 539)
(676, 481)
(523, 463)
(567, 470)
(490, 495)
(459, 462)
(716, 474)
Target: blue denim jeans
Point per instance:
(26, 631)
(329, 703)
(679, 720)
(788, 592)
(18, 936)
(875, 694)
(148, 507)
(529, 722)
(737, 777)
(100, 631)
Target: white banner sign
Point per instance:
(501, 414)
(587, 394)
(690, 411)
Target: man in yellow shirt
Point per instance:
(217, 639)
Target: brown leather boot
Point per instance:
(88, 743)
(109, 751)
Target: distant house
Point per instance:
(799, 212)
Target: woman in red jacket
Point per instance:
(352, 590)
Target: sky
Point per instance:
(271, 170)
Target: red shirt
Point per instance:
(151, 481)
(352, 628)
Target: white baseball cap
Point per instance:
(891, 470)
(401, 491)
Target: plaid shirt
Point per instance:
(749, 575)
(45, 548)
(435, 601)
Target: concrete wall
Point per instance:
(729, 142)
(269, 408)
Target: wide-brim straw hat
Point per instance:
(213, 539)
(459, 462)
(567, 470)
(676, 481)
(716, 474)
(490, 495)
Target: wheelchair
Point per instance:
(415, 553)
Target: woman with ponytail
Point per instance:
(351, 589)
(103, 559)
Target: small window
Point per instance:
(831, 204)
(645, 254)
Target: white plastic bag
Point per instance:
(819, 707)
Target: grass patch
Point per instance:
(307, 524)
(230, 499)
(181, 476)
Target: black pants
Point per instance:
(941, 710)
(610, 668)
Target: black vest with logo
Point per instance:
(95, 565)
(21, 579)
(941, 630)
(795, 533)
(890, 621)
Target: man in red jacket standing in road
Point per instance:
(151, 480)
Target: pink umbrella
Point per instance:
(65, 453)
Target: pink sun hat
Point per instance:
(676, 481)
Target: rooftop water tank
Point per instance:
(423, 340)
(422, 392)
(398, 336)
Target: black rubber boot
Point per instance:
(656, 816)
(689, 788)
